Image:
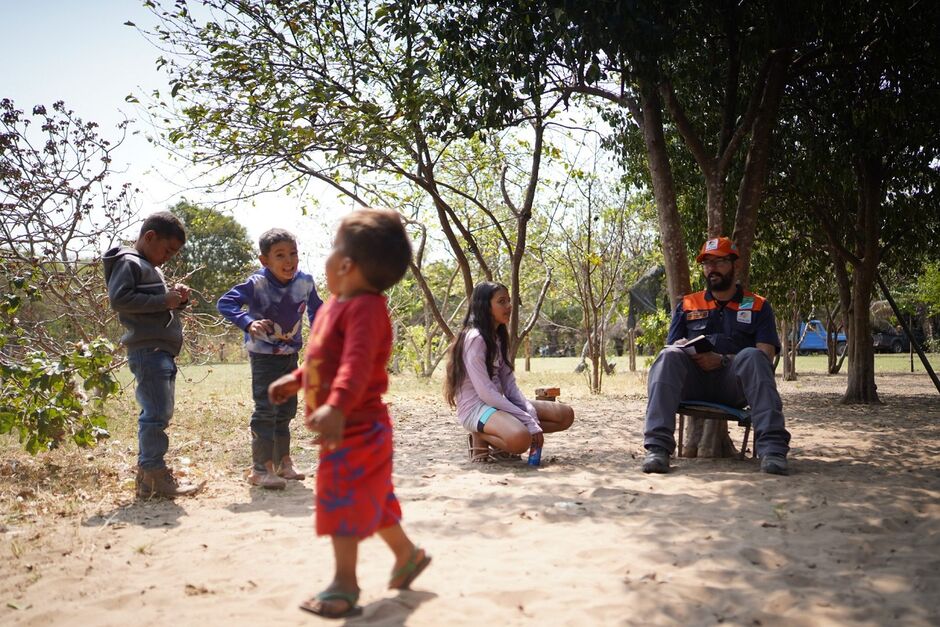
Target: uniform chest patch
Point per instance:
(747, 303)
(696, 315)
(744, 316)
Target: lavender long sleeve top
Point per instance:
(478, 391)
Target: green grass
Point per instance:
(225, 384)
(884, 363)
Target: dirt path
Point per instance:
(851, 537)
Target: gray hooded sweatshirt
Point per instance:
(137, 292)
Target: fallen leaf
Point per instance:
(192, 590)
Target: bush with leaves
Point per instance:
(655, 330)
(47, 399)
(58, 211)
(927, 289)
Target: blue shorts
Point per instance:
(489, 411)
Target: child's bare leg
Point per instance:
(477, 441)
(410, 560)
(554, 416)
(346, 554)
(503, 431)
(398, 542)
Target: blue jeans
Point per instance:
(270, 424)
(155, 372)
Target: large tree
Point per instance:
(719, 69)
(605, 244)
(217, 254)
(864, 117)
(354, 96)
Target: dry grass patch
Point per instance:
(209, 438)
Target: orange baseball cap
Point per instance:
(717, 247)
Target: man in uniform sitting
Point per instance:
(738, 372)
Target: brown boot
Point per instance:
(267, 478)
(287, 470)
(161, 482)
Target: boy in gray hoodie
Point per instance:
(147, 309)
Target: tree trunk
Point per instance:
(716, 441)
(701, 440)
(788, 350)
(795, 323)
(791, 341)
(715, 204)
(598, 372)
(845, 299)
(754, 180)
(631, 343)
(675, 259)
(833, 353)
(861, 386)
(523, 216)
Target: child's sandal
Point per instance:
(479, 454)
(505, 456)
(402, 577)
(315, 605)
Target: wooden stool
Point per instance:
(547, 394)
(717, 411)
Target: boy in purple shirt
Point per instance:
(269, 307)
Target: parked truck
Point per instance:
(814, 334)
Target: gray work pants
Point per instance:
(749, 380)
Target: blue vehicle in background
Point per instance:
(813, 333)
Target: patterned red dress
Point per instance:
(349, 347)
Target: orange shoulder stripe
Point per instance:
(697, 302)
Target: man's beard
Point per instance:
(724, 282)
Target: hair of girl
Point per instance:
(480, 317)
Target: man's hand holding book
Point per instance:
(702, 352)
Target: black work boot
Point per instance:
(656, 461)
(774, 464)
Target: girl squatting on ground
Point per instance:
(480, 383)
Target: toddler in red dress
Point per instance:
(343, 378)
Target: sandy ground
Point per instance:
(851, 537)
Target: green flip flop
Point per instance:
(315, 605)
(410, 570)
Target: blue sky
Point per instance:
(51, 47)
(82, 53)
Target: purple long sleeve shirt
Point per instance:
(263, 296)
(501, 392)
